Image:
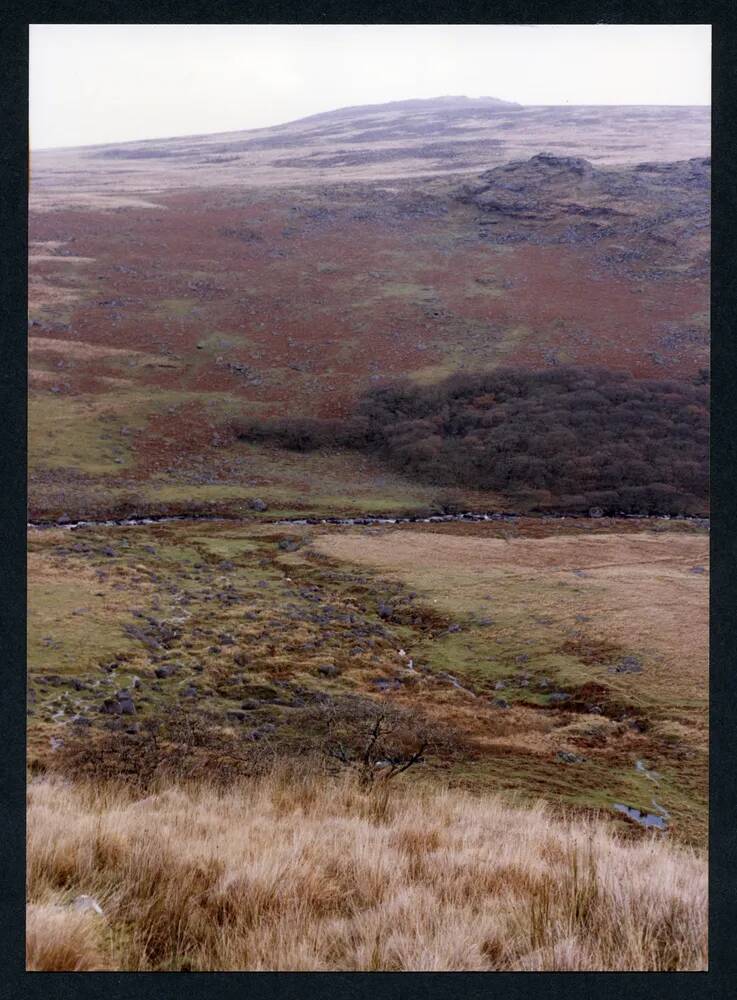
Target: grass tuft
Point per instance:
(294, 871)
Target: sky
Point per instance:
(97, 83)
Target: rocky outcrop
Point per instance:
(662, 209)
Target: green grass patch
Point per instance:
(83, 433)
(179, 308)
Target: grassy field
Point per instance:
(93, 454)
(536, 618)
(300, 872)
(518, 639)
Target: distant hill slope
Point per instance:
(401, 139)
(286, 271)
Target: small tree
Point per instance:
(376, 742)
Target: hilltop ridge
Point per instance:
(406, 139)
(444, 103)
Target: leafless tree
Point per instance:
(385, 743)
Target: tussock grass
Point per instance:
(58, 938)
(296, 871)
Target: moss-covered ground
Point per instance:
(497, 638)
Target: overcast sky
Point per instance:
(112, 82)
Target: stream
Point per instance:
(359, 520)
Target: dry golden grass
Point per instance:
(303, 872)
(60, 938)
(637, 588)
(80, 350)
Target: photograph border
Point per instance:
(721, 979)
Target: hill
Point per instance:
(402, 139)
(287, 271)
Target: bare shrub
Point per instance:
(184, 745)
(377, 742)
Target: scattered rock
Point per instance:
(87, 904)
(627, 665)
(386, 683)
(126, 705)
(328, 670)
(501, 703)
(121, 704)
(639, 725)
(566, 757)
(258, 504)
(53, 679)
(558, 696)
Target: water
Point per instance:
(358, 521)
(651, 775)
(658, 808)
(649, 820)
